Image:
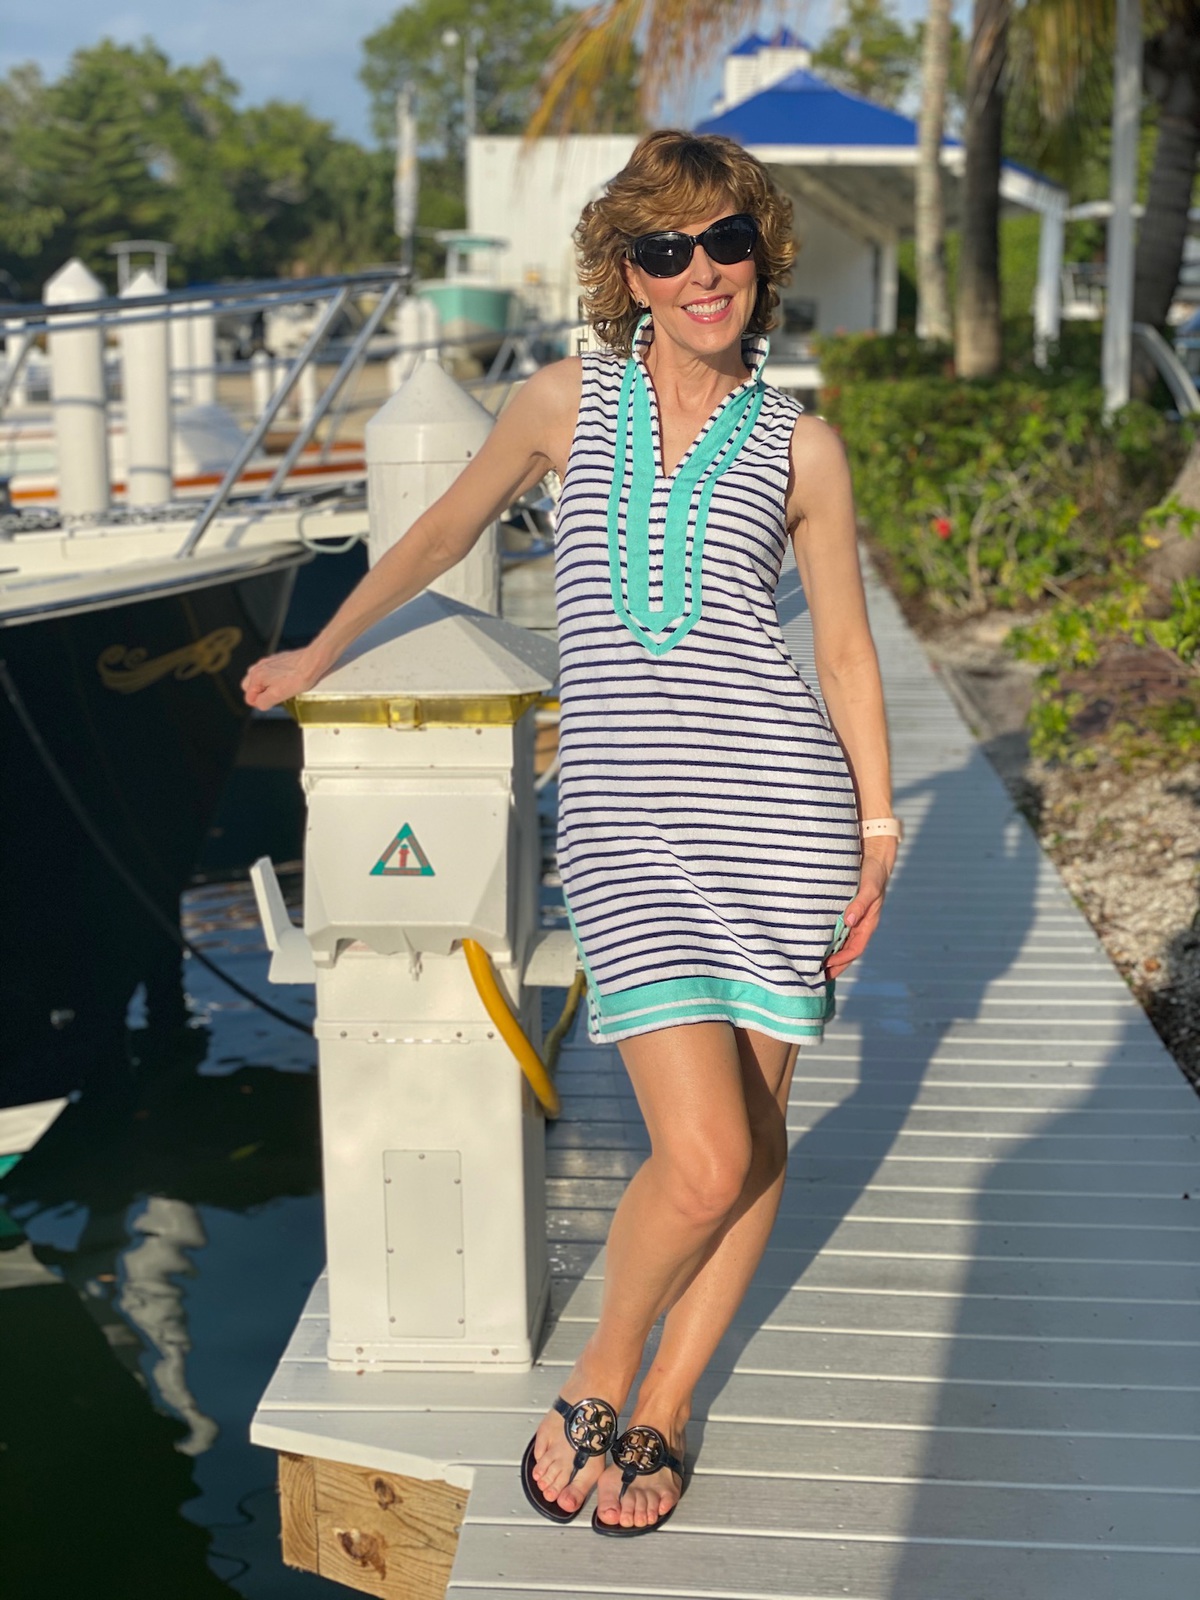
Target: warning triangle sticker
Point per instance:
(403, 858)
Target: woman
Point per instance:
(717, 875)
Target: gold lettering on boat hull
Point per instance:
(127, 670)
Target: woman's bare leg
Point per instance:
(689, 1081)
(706, 1304)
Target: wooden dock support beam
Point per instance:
(374, 1531)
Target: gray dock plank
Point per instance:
(816, 1566)
(967, 1368)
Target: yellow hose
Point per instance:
(511, 1031)
(559, 1031)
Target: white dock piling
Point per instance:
(417, 444)
(14, 335)
(417, 329)
(261, 381)
(308, 392)
(204, 359)
(146, 378)
(182, 360)
(78, 394)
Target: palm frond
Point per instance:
(596, 44)
(1064, 38)
(677, 37)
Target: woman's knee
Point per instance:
(706, 1183)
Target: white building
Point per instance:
(848, 165)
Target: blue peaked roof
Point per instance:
(785, 39)
(803, 109)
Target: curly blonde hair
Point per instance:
(674, 177)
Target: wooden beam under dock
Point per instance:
(374, 1531)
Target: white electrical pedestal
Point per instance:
(422, 832)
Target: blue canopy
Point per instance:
(803, 112)
(803, 109)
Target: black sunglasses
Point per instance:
(668, 253)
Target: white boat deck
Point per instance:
(968, 1366)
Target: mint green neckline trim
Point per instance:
(758, 343)
(690, 493)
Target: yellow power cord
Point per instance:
(496, 1003)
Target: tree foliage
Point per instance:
(125, 145)
(512, 39)
(870, 52)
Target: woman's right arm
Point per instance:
(532, 435)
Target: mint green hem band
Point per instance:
(724, 991)
(699, 1011)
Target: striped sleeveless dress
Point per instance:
(708, 836)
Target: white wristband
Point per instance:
(883, 825)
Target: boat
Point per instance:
(476, 312)
(125, 631)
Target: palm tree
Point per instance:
(679, 34)
(1066, 39)
(1172, 75)
(1063, 38)
(933, 305)
(677, 37)
(977, 344)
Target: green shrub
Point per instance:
(993, 493)
(1073, 644)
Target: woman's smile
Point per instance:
(714, 308)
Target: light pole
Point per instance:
(407, 175)
(450, 40)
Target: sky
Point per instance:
(277, 49)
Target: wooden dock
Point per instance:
(968, 1366)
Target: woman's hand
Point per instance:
(277, 678)
(862, 915)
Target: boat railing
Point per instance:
(521, 350)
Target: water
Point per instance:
(173, 1216)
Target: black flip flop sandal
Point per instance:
(640, 1451)
(590, 1426)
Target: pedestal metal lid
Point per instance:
(433, 661)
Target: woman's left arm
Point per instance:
(824, 533)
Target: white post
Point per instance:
(308, 393)
(182, 360)
(204, 358)
(261, 386)
(409, 324)
(14, 337)
(430, 326)
(146, 380)
(889, 287)
(417, 444)
(1047, 297)
(77, 391)
(1118, 310)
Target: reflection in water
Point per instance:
(164, 1235)
(154, 1304)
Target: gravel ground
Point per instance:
(1127, 843)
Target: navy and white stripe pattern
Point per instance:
(707, 825)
